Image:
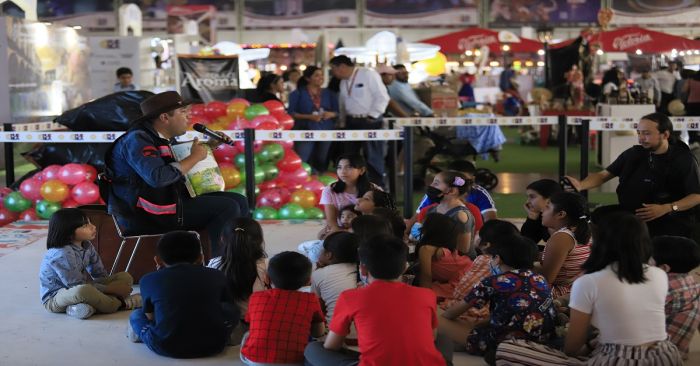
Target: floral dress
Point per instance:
(521, 307)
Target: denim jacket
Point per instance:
(69, 266)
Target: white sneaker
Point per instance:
(80, 311)
(132, 302)
(131, 335)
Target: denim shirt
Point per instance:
(300, 102)
(69, 266)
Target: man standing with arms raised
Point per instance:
(363, 100)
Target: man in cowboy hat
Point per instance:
(146, 184)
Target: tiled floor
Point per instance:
(29, 335)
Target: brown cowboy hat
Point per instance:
(164, 102)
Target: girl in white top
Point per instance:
(621, 295)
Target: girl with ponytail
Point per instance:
(566, 215)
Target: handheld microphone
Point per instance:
(206, 131)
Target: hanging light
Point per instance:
(599, 52)
(505, 48)
(540, 52)
(638, 51)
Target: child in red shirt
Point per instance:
(282, 319)
(395, 322)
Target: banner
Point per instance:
(208, 78)
(411, 13)
(299, 13)
(107, 54)
(655, 12)
(193, 20)
(557, 13)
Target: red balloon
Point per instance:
(274, 106)
(215, 109)
(286, 121)
(240, 145)
(69, 203)
(267, 185)
(197, 110)
(50, 172)
(198, 119)
(4, 191)
(90, 173)
(263, 118)
(7, 216)
(286, 144)
(72, 174)
(314, 185)
(31, 189)
(224, 153)
(276, 198)
(268, 126)
(290, 162)
(85, 193)
(297, 177)
(240, 100)
(28, 215)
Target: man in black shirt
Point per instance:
(659, 180)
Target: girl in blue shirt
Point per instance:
(313, 108)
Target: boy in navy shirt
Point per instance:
(187, 309)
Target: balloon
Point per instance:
(274, 106)
(270, 170)
(240, 100)
(290, 162)
(85, 193)
(314, 213)
(4, 191)
(275, 198)
(291, 211)
(286, 144)
(90, 173)
(268, 184)
(285, 121)
(54, 190)
(70, 203)
(259, 175)
(255, 110)
(7, 216)
(265, 213)
(315, 186)
(214, 109)
(268, 126)
(224, 153)
(231, 175)
(45, 209)
(16, 203)
(272, 152)
(255, 122)
(235, 109)
(197, 110)
(198, 119)
(28, 215)
(257, 145)
(50, 172)
(239, 160)
(303, 198)
(72, 174)
(31, 189)
(297, 177)
(326, 179)
(306, 167)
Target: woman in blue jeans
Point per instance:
(313, 108)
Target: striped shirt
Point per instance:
(571, 268)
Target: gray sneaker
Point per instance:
(131, 335)
(80, 311)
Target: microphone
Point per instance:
(212, 134)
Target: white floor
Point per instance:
(29, 335)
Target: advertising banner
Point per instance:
(107, 54)
(208, 78)
(556, 13)
(193, 19)
(656, 12)
(411, 13)
(299, 13)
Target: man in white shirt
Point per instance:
(667, 78)
(363, 100)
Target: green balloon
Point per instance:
(45, 208)
(292, 211)
(254, 111)
(16, 203)
(260, 157)
(239, 160)
(306, 167)
(265, 213)
(326, 179)
(271, 170)
(314, 213)
(273, 152)
(259, 174)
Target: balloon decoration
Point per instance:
(274, 106)
(303, 198)
(231, 175)
(314, 213)
(46, 208)
(215, 109)
(326, 180)
(28, 215)
(16, 203)
(7, 216)
(30, 189)
(72, 174)
(265, 213)
(54, 190)
(254, 111)
(292, 211)
(85, 193)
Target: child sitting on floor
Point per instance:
(347, 214)
(336, 270)
(677, 256)
(395, 322)
(72, 277)
(374, 198)
(520, 302)
(282, 319)
(188, 311)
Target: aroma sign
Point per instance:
(629, 41)
(476, 41)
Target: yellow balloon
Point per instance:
(54, 191)
(433, 66)
(232, 177)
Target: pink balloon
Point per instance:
(50, 172)
(69, 203)
(224, 153)
(314, 185)
(72, 174)
(28, 215)
(85, 193)
(31, 189)
(90, 173)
